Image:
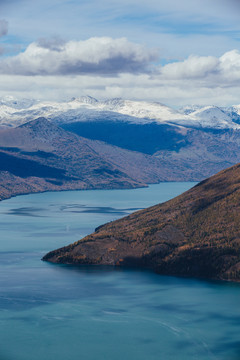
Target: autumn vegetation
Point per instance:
(195, 234)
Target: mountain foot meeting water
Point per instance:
(65, 312)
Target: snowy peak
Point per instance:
(189, 109)
(11, 102)
(86, 108)
(213, 117)
(211, 112)
(85, 100)
(114, 103)
(146, 111)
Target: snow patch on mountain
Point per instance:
(15, 112)
(214, 116)
(11, 102)
(186, 110)
(144, 110)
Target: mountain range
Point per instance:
(40, 156)
(195, 141)
(89, 144)
(195, 234)
(14, 112)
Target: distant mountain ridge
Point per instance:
(13, 112)
(40, 156)
(195, 234)
(189, 144)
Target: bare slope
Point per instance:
(199, 153)
(195, 234)
(40, 156)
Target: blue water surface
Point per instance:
(57, 312)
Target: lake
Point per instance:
(57, 312)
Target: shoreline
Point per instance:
(87, 189)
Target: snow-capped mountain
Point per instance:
(185, 142)
(11, 102)
(210, 117)
(189, 109)
(14, 112)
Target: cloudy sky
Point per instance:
(176, 52)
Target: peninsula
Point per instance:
(196, 234)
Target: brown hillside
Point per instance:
(194, 234)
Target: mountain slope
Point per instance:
(205, 151)
(146, 138)
(39, 156)
(199, 152)
(195, 234)
(190, 144)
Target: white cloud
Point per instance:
(201, 80)
(104, 56)
(181, 27)
(229, 67)
(107, 67)
(210, 71)
(191, 68)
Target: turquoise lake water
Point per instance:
(56, 312)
